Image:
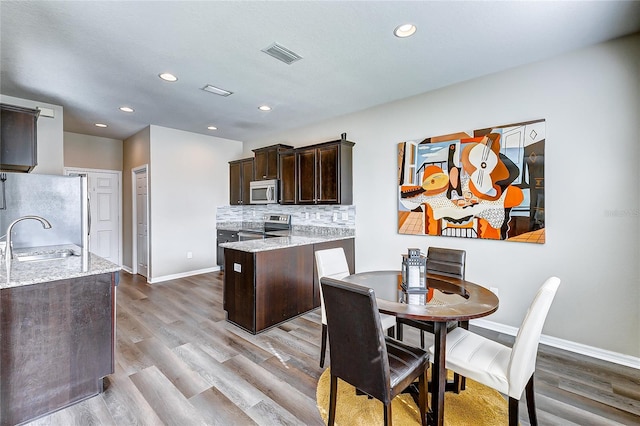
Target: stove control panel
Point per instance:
(277, 218)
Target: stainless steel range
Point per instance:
(275, 225)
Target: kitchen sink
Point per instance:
(58, 254)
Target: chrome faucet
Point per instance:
(8, 251)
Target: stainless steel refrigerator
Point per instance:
(62, 200)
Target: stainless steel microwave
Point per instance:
(263, 192)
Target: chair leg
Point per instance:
(461, 379)
(459, 382)
(323, 346)
(422, 339)
(387, 414)
(422, 398)
(531, 402)
(391, 332)
(399, 331)
(332, 400)
(513, 411)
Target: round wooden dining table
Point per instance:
(445, 300)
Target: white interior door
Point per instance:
(104, 212)
(104, 237)
(141, 222)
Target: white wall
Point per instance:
(591, 102)
(135, 153)
(50, 136)
(92, 152)
(189, 179)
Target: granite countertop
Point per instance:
(34, 272)
(299, 236)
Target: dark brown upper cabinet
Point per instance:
(18, 138)
(288, 177)
(240, 175)
(324, 173)
(267, 161)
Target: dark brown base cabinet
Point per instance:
(57, 343)
(264, 289)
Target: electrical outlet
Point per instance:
(189, 255)
(345, 216)
(318, 216)
(306, 215)
(335, 217)
(237, 267)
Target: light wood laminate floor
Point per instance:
(178, 362)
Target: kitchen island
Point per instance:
(57, 328)
(269, 281)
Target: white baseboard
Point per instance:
(579, 348)
(182, 275)
(127, 269)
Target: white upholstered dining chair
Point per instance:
(332, 263)
(507, 370)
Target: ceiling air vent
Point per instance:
(216, 90)
(281, 53)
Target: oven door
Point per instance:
(250, 235)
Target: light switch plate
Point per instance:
(345, 216)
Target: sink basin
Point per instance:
(59, 254)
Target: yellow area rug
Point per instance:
(477, 405)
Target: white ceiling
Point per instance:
(93, 57)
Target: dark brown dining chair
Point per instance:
(362, 356)
(450, 263)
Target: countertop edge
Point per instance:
(18, 275)
(277, 243)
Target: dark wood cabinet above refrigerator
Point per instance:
(18, 138)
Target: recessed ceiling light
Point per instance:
(264, 108)
(212, 128)
(404, 30)
(216, 90)
(126, 109)
(100, 125)
(168, 77)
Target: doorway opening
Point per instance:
(140, 221)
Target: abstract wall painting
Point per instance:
(484, 184)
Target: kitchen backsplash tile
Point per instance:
(332, 216)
